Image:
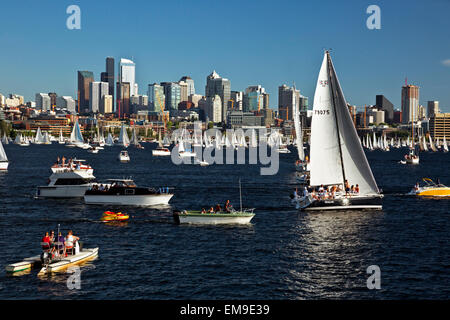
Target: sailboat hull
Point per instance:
(4, 165)
(345, 203)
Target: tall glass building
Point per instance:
(220, 86)
(172, 91)
(84, 80)
(156, 97)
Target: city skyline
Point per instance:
(370, 62)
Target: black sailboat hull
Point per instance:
(348, 203)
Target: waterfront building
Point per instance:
(220, 86)
(84, 80)
(439, 126)
(410, 103)
(239, 119)
(384, 104)
(43, 102)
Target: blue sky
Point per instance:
(249, 42)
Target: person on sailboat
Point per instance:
(346, 187)
(228, 206)
(203, 210)
(357, 189)
(218, 208)
(211, 210)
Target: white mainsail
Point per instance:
(76, 136)
(123, 137)
(109, 140)
(336, 152)
(298, 129)
(432, 146)
(3, 157)
(5, 139)
(134, 138)
(39, 139)
(444, 143)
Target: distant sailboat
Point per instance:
(5, 139)
(76, 137)
(39, 138)
(123, 137)
(445, 145)
(110, 140)
(3, 159)
(337, 157)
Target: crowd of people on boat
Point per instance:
(59, 245)
(328, 192)
(72, 164)
(217, 209)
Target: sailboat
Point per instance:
(109, 141)
(432, 146)
(124, 141)
(134, 140)
(3, 159)
(76, 137)
(39, 138)
(337, 157)
(61, 137)
(5, 139)
(445, 145)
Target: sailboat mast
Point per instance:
(335, 117)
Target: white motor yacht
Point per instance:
(67, 184)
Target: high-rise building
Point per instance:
(107, 104)
(213, 109)
(53, 97)
(96, 92)
(156, 98)
(43, 102)
(439, 125)
(384, 104)
(172, 91)
(110, 76)
(84, 80)
(195, 98)
(127, 72)
(66, 102)
(123, 99)
(410, 103)
(183, 90)
(287, 96)
(432, 108)
(237, 100)
(254, 99)
(190, 85)
(220, 86)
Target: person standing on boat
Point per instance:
(45, 242)
(70, 240)
(60, 244)
(228, 206)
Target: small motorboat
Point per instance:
(160, 151)
(123, 156)
(197, 217)
(431, 189)
(109, 216)
(93, 150)
(55, 263)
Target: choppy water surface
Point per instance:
(283, 254)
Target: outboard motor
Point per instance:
(45, 258)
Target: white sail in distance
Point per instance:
(336, 152)
(3, 156)
(298, 129)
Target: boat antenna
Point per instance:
(240, 193)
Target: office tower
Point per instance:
(439, 125)
(123, 99)
(195, 98)
(432, 108)
(237, 100)
(254, 98)
(410, 103)
(220, 86)
(84, 80)
(107, 103)
(43, 102)
(53, 97)
(110, 76)
(286, 98)
(66, 102)
(183, 90)
(96, 92)
(213, 110)
(156, 97)
(172, 91)
(190, 85)
(384, 104)
(127, 69)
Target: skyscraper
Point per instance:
(410, 103)
(220, 86)
(110, 76)
(432, 108)
(287, 96)
(84, 80)
(172, 91)
(255, 98)
(43, 102)
(123, 99)
(384, 104)
(190, 85)
(156, 97)
(97, 90)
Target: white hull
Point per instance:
(160, 153)
(4, 166)
(136, 200)
(214, 220)
(62, 191)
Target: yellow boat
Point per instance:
(431, 189)
(109, 216)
